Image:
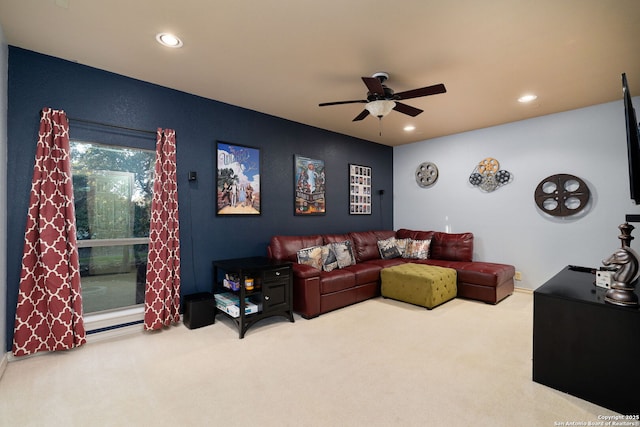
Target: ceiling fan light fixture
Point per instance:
(380, 107)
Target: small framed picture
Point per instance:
(237, 180)
(359, 190)
(309, 186)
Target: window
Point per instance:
(112, 187)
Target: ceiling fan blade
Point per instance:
(360, 101)
(407, 109)
(374, 85)
(424, 91)
(361, 116)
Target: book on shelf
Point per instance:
(229, 303)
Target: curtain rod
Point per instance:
(110, 125)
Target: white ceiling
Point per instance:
(284, 57)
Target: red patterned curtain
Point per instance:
(162, 290)
(49, 309)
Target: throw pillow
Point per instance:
(388, 248)
(417, 249)
(329, 259)
(402, 245)
(344, 253)
(311, 256)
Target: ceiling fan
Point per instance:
(381, 99)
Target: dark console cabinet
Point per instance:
(584, 346)
(271, 291)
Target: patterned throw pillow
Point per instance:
(388, 248)
(417, 249)
(344, 253)
(402, 245)
(311, 256)
(329, 259)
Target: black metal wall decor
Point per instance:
(426, 174)
(488, 176)
(562, 195)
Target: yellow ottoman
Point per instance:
(420, 284)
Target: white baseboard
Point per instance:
(3, 363)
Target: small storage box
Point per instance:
(199, 310)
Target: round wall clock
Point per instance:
(426, 174)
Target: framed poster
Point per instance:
(237, 180)
(359, 190)
(309, 186)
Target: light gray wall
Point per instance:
(4, 60)
(589, 143)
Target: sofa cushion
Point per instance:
(336, 280)
(452, 246)
(365, 243)
(311, 256)
(287, 247)
(402, 245)
(486, 273)
(417, 249)
(365, 272)
(384, 263)
(344, 253)
(404, 233)
(329, 259)
(476, 272)
(335, 238)
(388, 248)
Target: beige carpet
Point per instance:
(377, 363)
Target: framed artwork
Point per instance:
(359, 190)
(237, 179)
(309, 176)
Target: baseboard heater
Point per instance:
(114, 327)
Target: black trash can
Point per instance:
(199, 310)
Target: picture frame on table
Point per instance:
(237, 179)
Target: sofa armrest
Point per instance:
(306, 296)
(303, 271)
(452, 246)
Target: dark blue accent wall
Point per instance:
(37, 81)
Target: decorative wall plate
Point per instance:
(562, 195)
(426, 174)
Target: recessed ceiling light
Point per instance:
(409, 128)
(169, 40)
(527, 98)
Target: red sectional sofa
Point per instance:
(316, 291)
